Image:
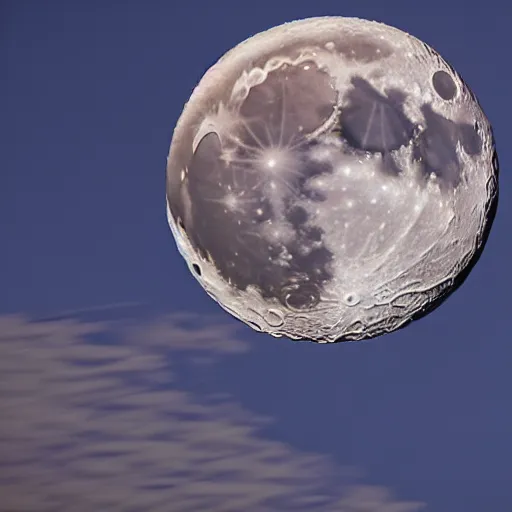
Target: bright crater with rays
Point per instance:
(331, 179)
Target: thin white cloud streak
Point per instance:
(88, 426)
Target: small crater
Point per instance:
(297, 215)
(444, 85)
(351, 299)
(274, 318)
(300, 296)
(197, 269)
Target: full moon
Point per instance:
(331, 179)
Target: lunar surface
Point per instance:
(331, 179)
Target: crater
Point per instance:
(444, 85)
(300, 295)
(291, 102)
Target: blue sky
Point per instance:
(90, 96)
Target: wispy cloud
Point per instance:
(93, 419)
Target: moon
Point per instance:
(331, 179)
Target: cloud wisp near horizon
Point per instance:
(94, 418)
